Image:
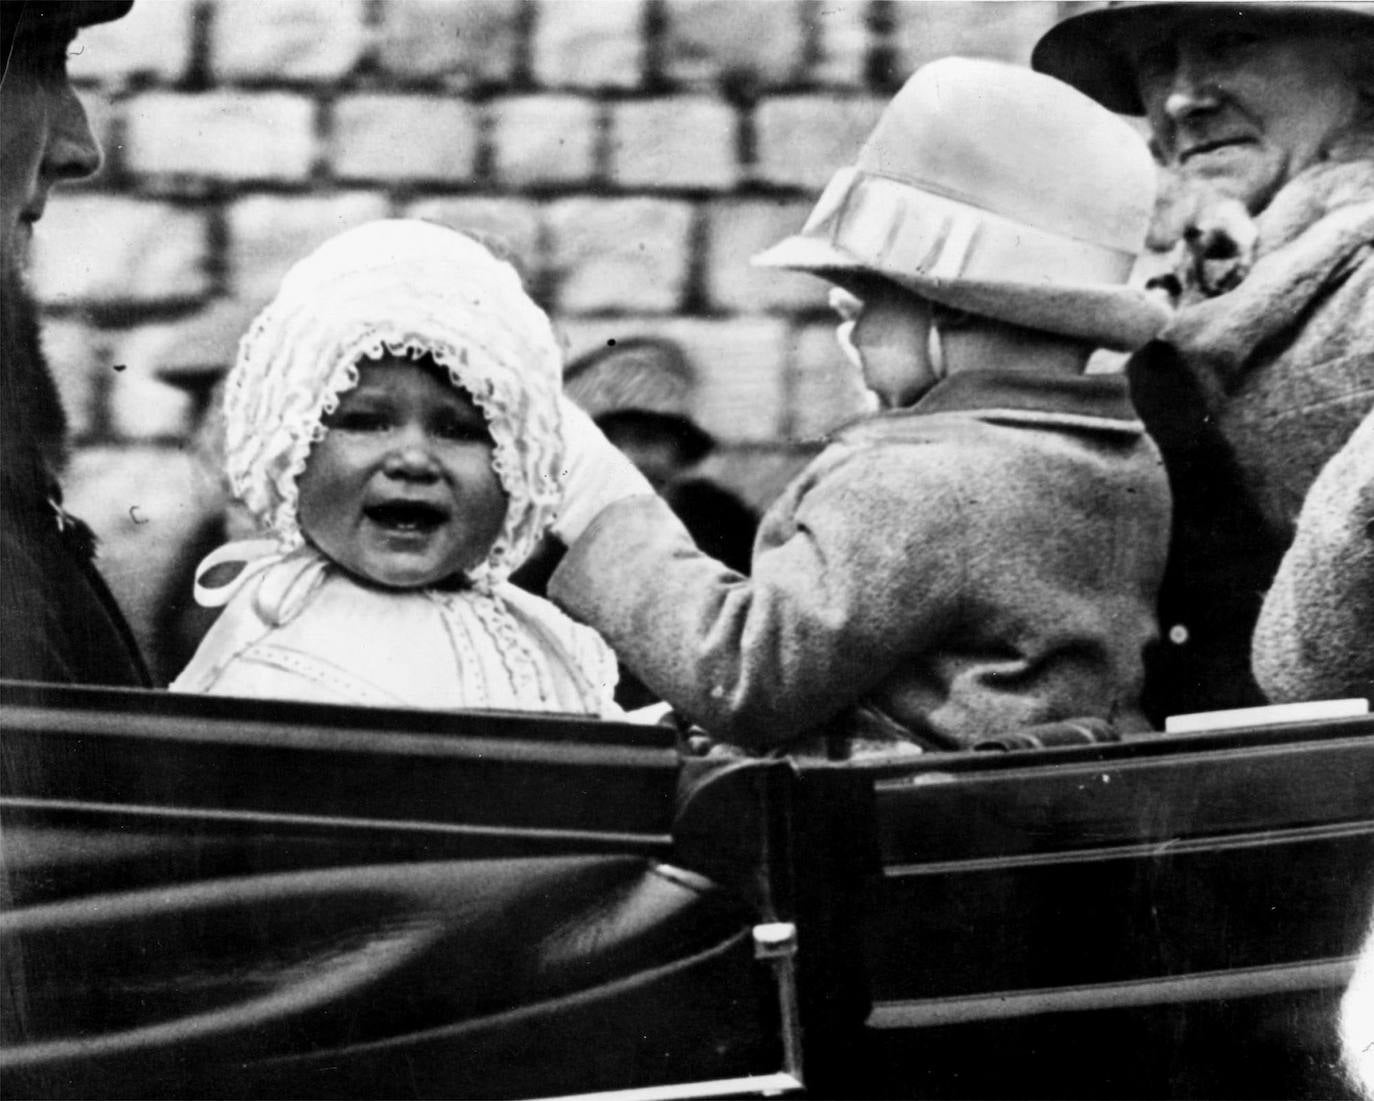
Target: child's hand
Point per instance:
(595, 474)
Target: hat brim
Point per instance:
(693, 440)
(1084, 50)
(1118, 317)
(1107, 316)
(811, 254)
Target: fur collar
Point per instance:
(1318, 230)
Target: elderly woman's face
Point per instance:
(1247, 105)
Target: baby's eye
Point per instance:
(359, 420)
(462, 431)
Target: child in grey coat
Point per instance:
(983, 554)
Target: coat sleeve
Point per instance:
(1314, 638)
(862, 571)
(58, 621)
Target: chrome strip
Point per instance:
(1198, 987)
(763, 1085)
(1152, 850)
(652, 841)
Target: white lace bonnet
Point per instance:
(404, 288)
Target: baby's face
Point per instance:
(401, 490)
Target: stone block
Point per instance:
(76, 354)
(742, 44)
(543, 140)
(474, 42)
(222, 135)
(620, 255)
(191, 352)
(589, 44)
(307, 40)
(378, 137)
(802, 140)
(1002, 29)
(153, 40)
(739, 363)
(736, 231)
(101, 249)
(827, 392)
(843, 42)
(142, 406)
(268, 233)
(510, 225)
(678, 142)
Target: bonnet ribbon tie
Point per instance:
(284, 592)
(223, 572)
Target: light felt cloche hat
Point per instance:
(993, 189)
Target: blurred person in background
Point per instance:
(640, 393)
(58, 620)
(1262, 115)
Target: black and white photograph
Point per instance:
(659, 550)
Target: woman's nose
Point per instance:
(1192, 89)
(72, 153)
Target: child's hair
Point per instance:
(408, 289)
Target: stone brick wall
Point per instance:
(633, 153)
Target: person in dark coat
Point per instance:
(1263, 116)
(58, 620)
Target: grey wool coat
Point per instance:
(985, 560)
(1248, 394)
(1315, 638)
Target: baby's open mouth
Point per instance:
(406, 515)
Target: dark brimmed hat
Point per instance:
(57, 15)
(1085, 49)
(644, 379)
(993, 189)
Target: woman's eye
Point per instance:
(1225, 43)
(1153, 63)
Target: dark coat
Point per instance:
(1248, 394)
(981, 562)
(58, 620)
